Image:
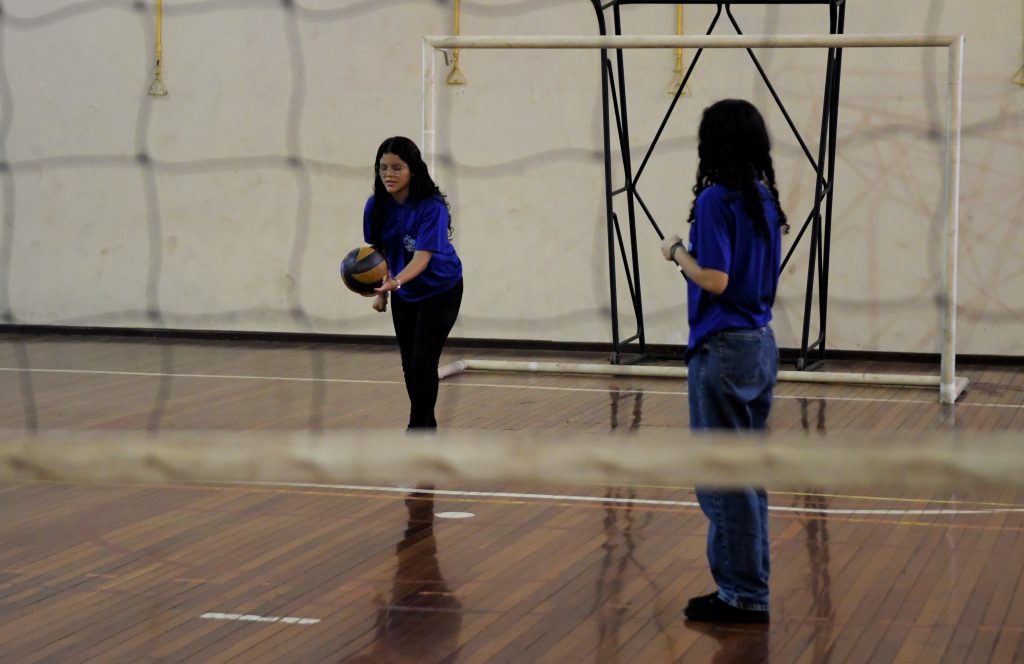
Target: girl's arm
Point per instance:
(412, 270)
(713, 281)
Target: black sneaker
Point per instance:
(703, 599)
(715, 610)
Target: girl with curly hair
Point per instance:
(407, 220)
(732, 269)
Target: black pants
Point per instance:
(422, 328)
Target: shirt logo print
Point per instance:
(409, 242)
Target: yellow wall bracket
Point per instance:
(677, 80)
(158, 88)
(455, 76)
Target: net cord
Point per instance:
(670, 458)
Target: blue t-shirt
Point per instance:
(723, 237)
(417, 225)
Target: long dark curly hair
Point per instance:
(421, 185)
(735, 152)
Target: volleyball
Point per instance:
(363, 269)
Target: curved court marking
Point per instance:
(634, 501)
(361, 381)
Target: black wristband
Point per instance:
(672, 249)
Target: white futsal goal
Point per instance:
(950, 386)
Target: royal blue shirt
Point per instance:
(417, 225)
(723, 237)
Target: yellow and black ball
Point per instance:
(363, 269)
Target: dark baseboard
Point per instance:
(195, 335)
(627, 353)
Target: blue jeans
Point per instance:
(731, 376)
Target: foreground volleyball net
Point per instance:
(670, 458)
(949, 385)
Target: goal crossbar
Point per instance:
(691, 41)
(950, 386)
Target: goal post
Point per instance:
(950, 386)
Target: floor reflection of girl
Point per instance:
(423, 618)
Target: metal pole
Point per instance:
(606, 84)
(627, 167)
(428, 132)
(833, 141)
(948, 390)
(653, 371)
(691, 41)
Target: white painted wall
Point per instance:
(260, 162)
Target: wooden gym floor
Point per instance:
(570, 573)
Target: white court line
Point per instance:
(155, 374)
(288, 620)
(628, 501)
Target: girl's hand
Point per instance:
(380, 302)
(667, 244)
(389, 284)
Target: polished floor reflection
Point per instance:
(738, 643)
(422, 617)
(566, 573)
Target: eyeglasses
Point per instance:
(383, 170)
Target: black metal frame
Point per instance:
(824, 166)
